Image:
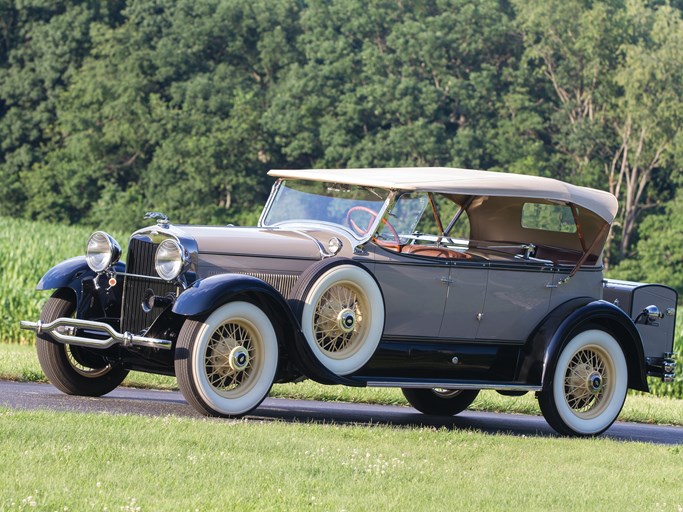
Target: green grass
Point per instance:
(19, 363)
(69, 461)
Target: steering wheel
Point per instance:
(374, 215)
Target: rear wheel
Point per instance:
(71, 369)
(588, 385)
(440, 402)
(226, 364)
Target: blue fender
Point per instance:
(65, 274)
(548, 339)
(74, 274)
(70, 274)
(209, 293)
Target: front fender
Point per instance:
(66, 274)
(207, 294)
(70, 274)
(75, 274)
(558, 327)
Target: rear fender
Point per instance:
(547, 341)
(207, 294)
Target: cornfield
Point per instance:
(29, 249)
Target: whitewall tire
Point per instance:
(341, 309)
(226, 364)
(588, 385)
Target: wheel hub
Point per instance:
(346, 320)
(238, 359)
(594, 383)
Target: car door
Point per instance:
(517, 298)
(414, 291)
(465, 301)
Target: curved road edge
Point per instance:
(33, 396)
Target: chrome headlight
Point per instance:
(170, 259)
(102, 251)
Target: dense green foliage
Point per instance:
(109, 109)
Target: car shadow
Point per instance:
(171, 403)
(519, 425)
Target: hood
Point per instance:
(251, 241)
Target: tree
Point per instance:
(42, 45)
(614, 71)
(657, 255)
(648, 116)
(385, 84)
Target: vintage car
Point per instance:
(440, 281)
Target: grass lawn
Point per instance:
(68, 461)
(19, 363)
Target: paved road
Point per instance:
(163, 403)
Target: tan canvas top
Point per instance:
(464, 181)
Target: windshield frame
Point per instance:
(298, 224)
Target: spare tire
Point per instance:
(341, 310)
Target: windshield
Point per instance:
(351, 207)
(425, 216)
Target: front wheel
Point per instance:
(226, 364)
(588, 385)
(440, 402)
(71, 369)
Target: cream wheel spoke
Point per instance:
(81, 369)
(583, 395)
(223, 374)
(330, 336)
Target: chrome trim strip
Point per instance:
(68, 335)
(321, 248)
(453, 385)
(154, 278)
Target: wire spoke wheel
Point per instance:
(587, 382)
(72, 369)
(81, 369)
(338, 320)
(341, 310)
(233, 357)
(440, 401)
(588, 386)
(227, 363)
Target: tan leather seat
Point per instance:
(435, 252)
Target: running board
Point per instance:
(452, 384)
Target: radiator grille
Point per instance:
(140, 261)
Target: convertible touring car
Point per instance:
(442, 282)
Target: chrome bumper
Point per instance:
(663, 367)
(64, 331)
